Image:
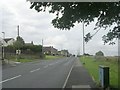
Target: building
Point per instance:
(50, 50)
(8, 41)
(29, 44)
(64, 52)
(5, 42)
(1, 41)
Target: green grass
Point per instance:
(92, 66)
(29, 58)
(24, 60)
(49, 57)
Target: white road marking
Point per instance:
(93, 78)
(46, 66)
(68, 76)
(50, 64)
(53, 63)
(10, 79)
(35, 70)
(56, 62)
(67, 63)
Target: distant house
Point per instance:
(29, 44)
(50, 50)
(64, 52)
(8, 41)
(1, 41)
(5, 42)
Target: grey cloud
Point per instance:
(36, 26)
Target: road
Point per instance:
(38, 74)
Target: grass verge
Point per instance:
(92, 66)
(23, 58)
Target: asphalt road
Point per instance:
(39, 74)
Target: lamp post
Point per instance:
(3, 47)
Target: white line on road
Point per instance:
(51, 64)
(35, 70)
(68, 76)
(10, 79)
(46, 66)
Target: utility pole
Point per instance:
(42, 49)
(18, 51)
(18, 30)
(83, 40)
(3, 52)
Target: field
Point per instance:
(92, 66)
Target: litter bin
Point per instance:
(104, 76)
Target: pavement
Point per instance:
(80, 78)
(9, 64)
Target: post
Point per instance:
(3, 52)
(83, 40)
(17, 51)
(18, 29)
(42, 49)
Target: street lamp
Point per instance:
(3, 46)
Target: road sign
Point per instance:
(18, 52)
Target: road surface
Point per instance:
(39, 74)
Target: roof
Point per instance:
(29, 43)
(7, 39)
(0, 43)
(49, 48)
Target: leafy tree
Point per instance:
(10, 49)
(100, 53)
(33, 48)
(68, 13)
(19, 43)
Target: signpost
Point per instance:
(18, 52)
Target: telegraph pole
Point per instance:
(3, 51)
(42, 49)
(18, 29)
(83, 40)
(17, 51)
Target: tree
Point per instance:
(33, 48)
(68, 13)
(100, 53)
(19, 43)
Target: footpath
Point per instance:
(8, 64)
(80, 79)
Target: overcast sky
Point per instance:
(36, 26)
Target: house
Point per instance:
(29, 44)
(50, 50)
(8, 41)
(64, 52)
(1, 41)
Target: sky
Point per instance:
(36, 26)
